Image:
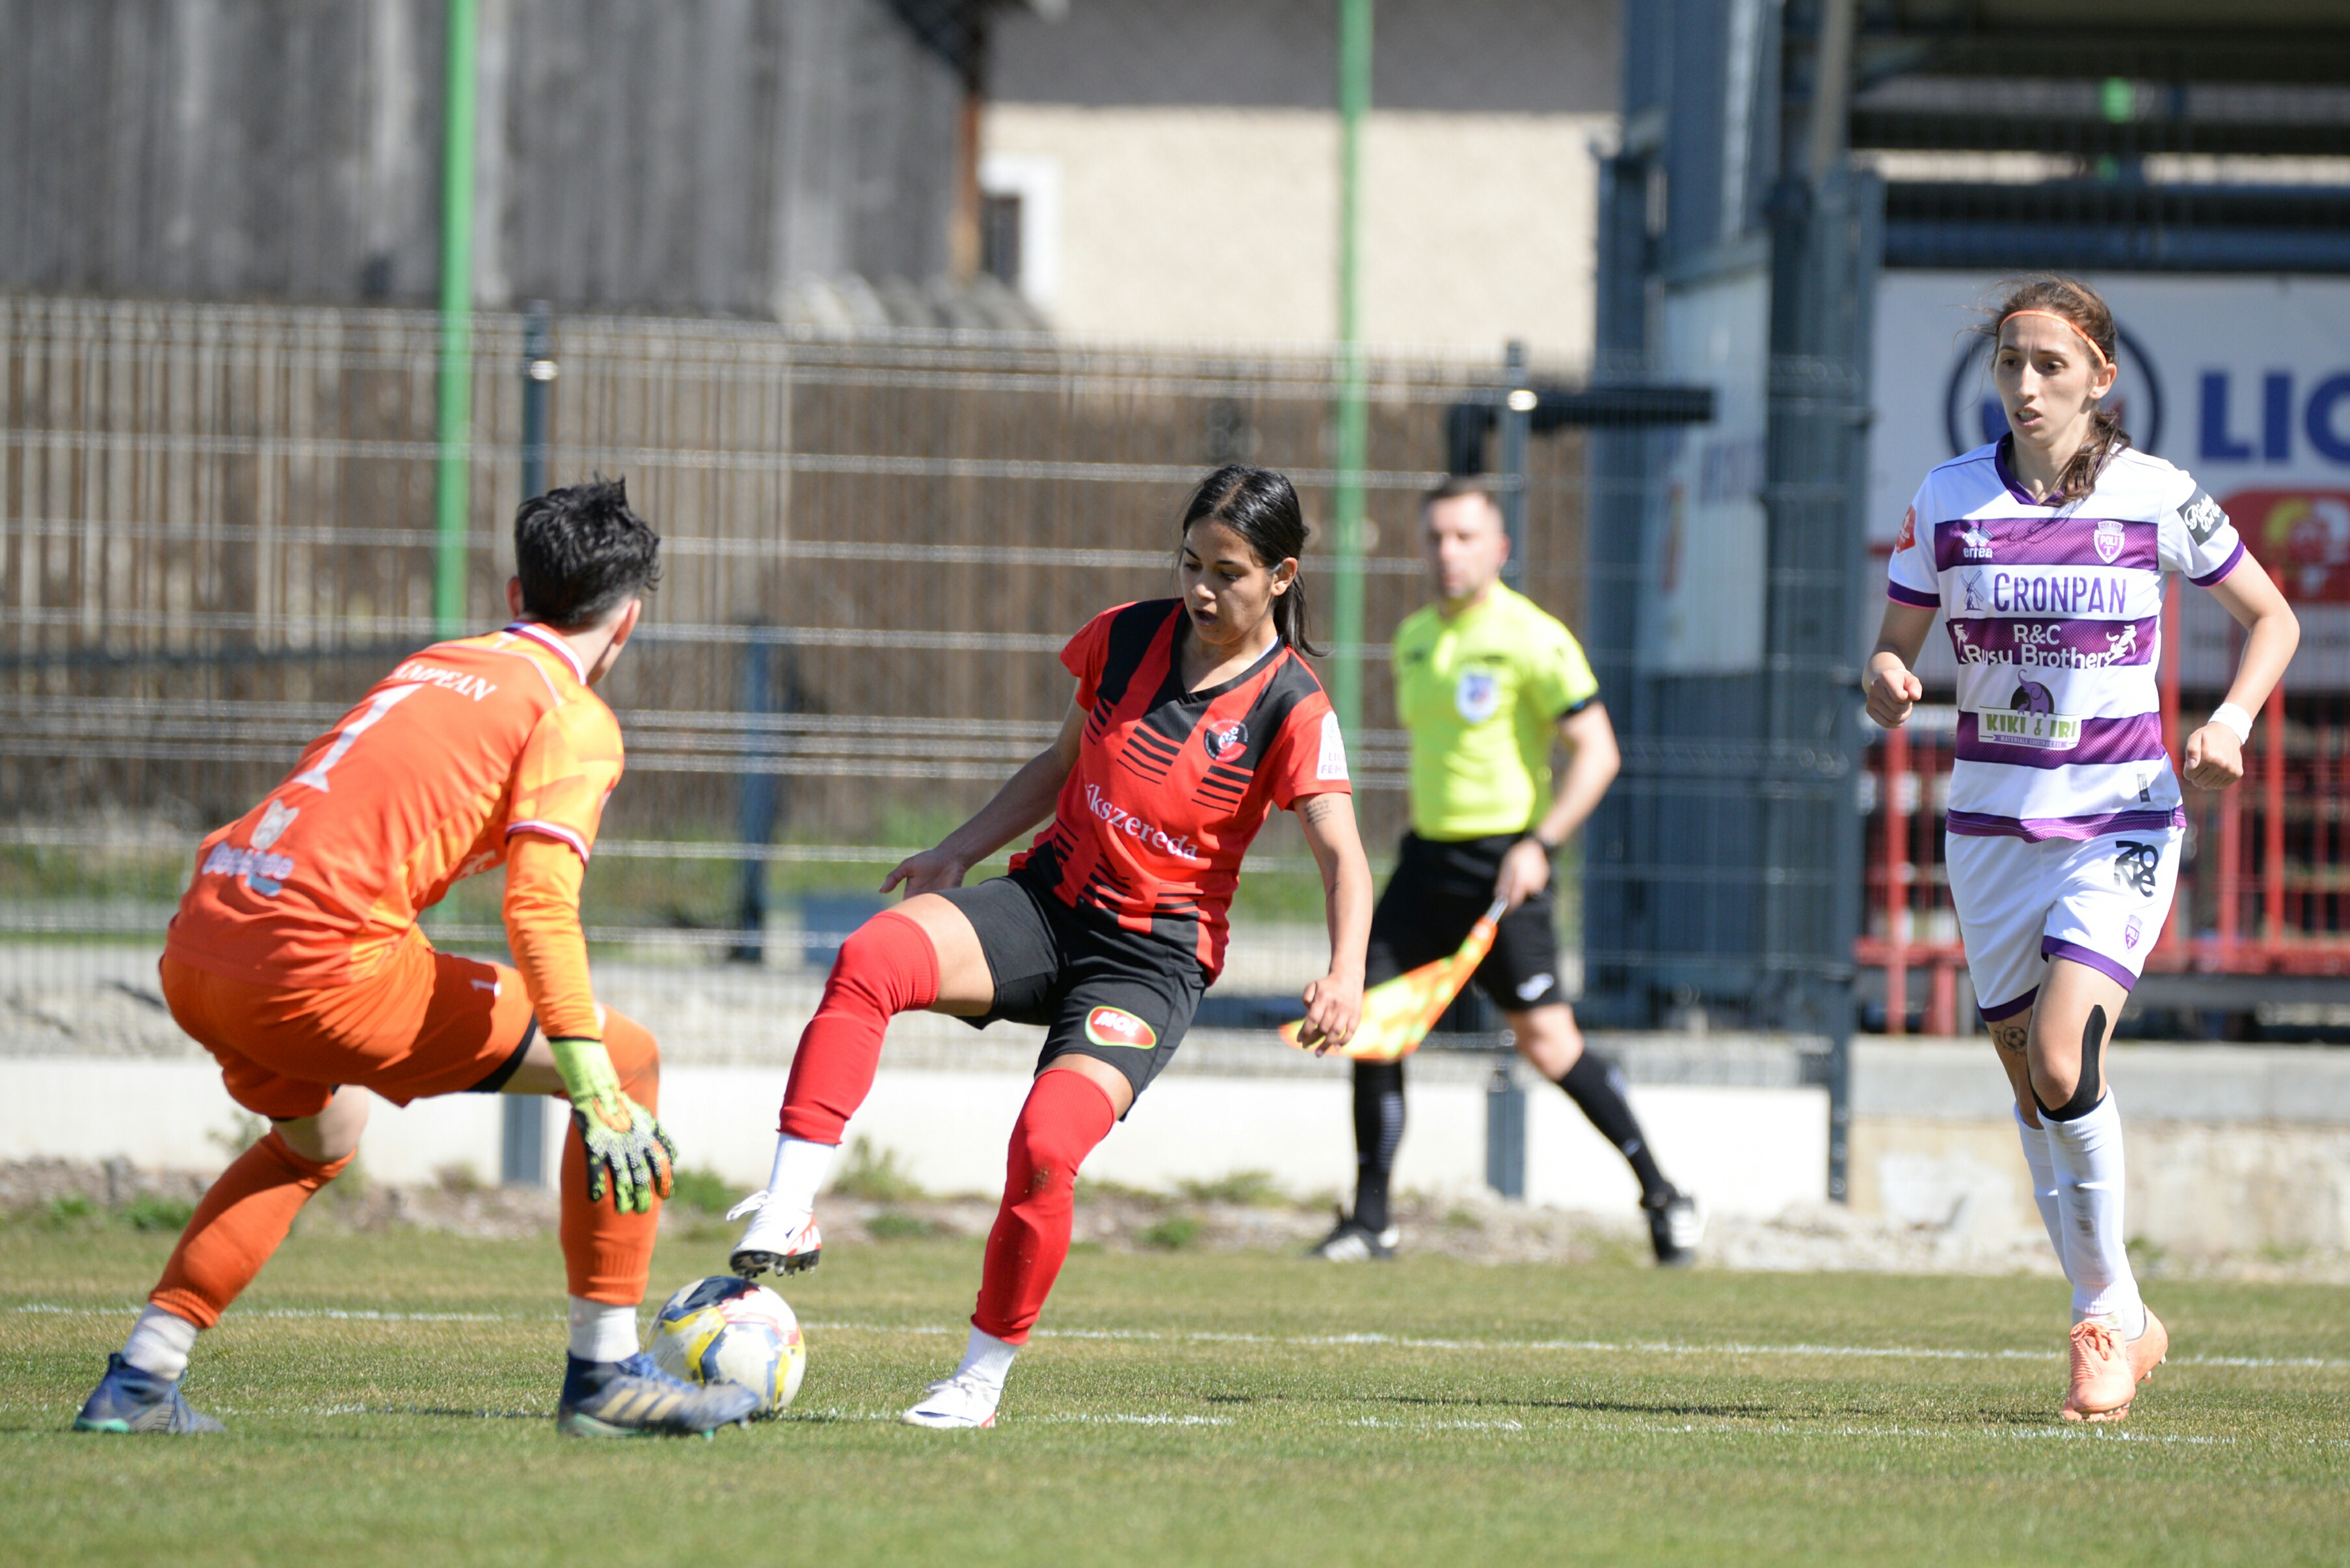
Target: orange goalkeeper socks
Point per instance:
(606, 1253)
(243, 1218)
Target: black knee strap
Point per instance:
(2085, 1092)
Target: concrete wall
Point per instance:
(1750, 1150)
(1219, 222)
(2231, 1149)
(1189, 157)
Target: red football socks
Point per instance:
(1065, 1116)
(886, 966)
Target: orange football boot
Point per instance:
(2150, 1349)
(2103, 1379)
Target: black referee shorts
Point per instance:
(1096, 989)
(1437, 892)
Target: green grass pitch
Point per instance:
(1202, 1408)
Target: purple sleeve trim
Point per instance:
(2226, 567)
(2058, 948)
(2006, 1010)
(1907, 596)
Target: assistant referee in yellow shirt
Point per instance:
(1484, 683)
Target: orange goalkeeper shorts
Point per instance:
(424, 1024)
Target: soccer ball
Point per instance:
(726, 1330)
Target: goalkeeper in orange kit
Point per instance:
(296, 959)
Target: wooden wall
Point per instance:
(687, 156)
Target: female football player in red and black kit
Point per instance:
(1195, 719)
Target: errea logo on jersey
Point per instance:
(1116, 1026)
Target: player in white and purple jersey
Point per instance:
(2046, 552)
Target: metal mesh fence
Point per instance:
(218, 533)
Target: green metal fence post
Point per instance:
(1354, 399)
(455, 412)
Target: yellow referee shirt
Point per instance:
(1481, 694)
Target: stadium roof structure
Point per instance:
(2106, 134)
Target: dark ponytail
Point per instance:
(1260, 506)
(2081, 308)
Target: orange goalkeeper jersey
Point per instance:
(420, 786)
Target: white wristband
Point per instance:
(2234, 720)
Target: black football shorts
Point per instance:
(1096, 989)
(1437, 892)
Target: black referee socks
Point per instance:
(1595, 1084)
(1378, 1131)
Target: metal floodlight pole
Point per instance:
(1354, 396)
(456, 384)
(1518, 402)
(522, 1160)
(538, 372)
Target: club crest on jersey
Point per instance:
(2108, 540)
(276, 818)
(1974, 545)
(1117, 1026)
(1225, 741)
(2132, 930)
(1479, 696)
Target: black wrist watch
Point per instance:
(1532, 837)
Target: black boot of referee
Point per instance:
(1369, 1234)
(1674, 1224)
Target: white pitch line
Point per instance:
(1604, 1346)
(1302, 1341)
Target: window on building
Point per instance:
(999, 236)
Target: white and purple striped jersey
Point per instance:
(2056, 617)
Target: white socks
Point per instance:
(986, 1359)
(602, 1332)
(2044, 1183)
(801, 1170)
(2087, 1154)
(159, 1344)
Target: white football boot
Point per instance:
(775, 1241)
(1675, 1226)
(956, 1404)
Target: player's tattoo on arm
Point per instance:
(1318, 808)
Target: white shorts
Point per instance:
(2097, 901)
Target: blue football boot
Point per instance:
(129, 1400)
(635, 1398)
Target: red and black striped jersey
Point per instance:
(1170, 785)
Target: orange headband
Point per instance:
(2068, 321)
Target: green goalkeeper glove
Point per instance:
(627, 1150)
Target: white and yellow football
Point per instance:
(727, 1330)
